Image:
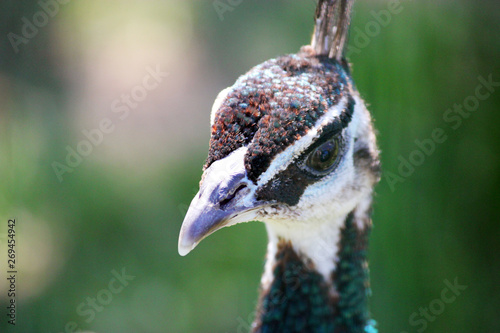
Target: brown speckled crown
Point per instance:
(273, 105)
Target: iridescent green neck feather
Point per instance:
(300, 300)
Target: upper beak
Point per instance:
(226, 197)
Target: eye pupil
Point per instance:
(324, 156)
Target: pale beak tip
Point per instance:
(183, 251)
(185, 245)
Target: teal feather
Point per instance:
(351, 279)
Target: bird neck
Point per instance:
(297, 297)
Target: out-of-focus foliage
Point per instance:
(122, 206)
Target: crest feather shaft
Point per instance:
(331, 28)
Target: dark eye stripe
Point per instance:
(338, 124)
(288, 185)
(334, 128)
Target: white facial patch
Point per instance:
(221, 171)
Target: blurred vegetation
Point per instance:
(122, 207)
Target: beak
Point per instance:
(226, 197)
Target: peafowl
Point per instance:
(292, 145)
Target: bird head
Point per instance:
(291, 145)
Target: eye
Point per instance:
(324, 157)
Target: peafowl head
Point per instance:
(291, 145)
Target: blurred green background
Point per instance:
(122, 206)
